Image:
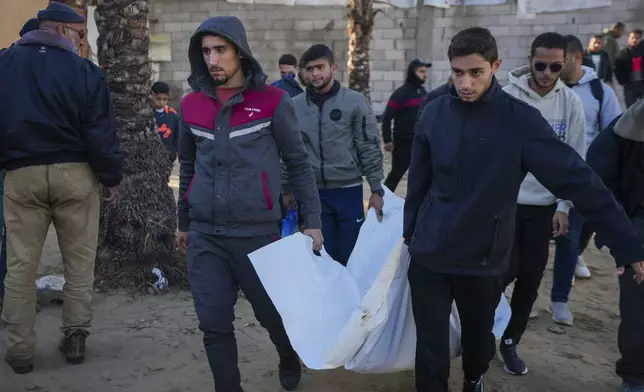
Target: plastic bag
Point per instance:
(358, 317)
(290, 224)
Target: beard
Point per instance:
(322, 86)
(541, 83)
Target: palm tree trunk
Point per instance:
(138, 232)
(361, 17)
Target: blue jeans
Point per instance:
(566, 255)
(342, 217)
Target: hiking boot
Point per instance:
(626, 387)
(20, 366)
(290, 372)
(513, 364)
(581, 270)
(561, 314)
(73, 347)
(474, 386)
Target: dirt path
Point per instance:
(152, 343)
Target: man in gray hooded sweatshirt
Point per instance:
(616, 156)
(235, 129)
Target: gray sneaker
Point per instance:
(561, 314)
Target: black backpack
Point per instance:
(598, 92)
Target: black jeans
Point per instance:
(432, 295)
(630, 338)
(584, 237)
(529, 258)
(217, 266)
(400, 159)
(631, 94)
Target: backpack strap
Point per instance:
(598, 92)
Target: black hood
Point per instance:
(412, 78)
(232, 29)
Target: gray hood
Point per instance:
(631, 124)
(42, 37)
(232, 29)
(520, 77)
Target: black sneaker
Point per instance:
(513, 364)
(290, 372)
(474, 386)
(20, 366)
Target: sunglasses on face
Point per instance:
(554, 67)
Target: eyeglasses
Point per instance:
(554, 67)
(81, 33)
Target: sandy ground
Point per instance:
(152, 343)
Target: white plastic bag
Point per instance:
(359, 317)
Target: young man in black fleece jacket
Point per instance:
(402, 108)
(468, 162)
(59, 145)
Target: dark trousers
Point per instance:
(217, 267)
(630, 338)
(400, 159)
(3, 262)
(584, 237)
(632, 94)
(532, 234)
(476, 299)
(342, 217)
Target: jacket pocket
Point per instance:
(267, 192)
(494, 238)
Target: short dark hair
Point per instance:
(598, 36)
(161, 88)
(287, 59)
(317, 52)
(619, 25)
(574, 44)
(549, 40)
(474, 40)
(637, 32)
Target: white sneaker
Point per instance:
(534, 313)
(561, 314)
(582, 271)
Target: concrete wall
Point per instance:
(514, 36)
(274, 30)
(400, 34)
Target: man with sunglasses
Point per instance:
(59, 145)
(539, 213)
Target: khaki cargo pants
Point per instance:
(67, 194)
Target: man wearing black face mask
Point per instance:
(402, 108)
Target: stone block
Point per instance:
(521, 30)
(171, 27)
(509, 20)
(554, 18)
(386, 44)
(402, 44)
(181, 64)
(595, 28)
(381, 85)
(499, 31)
(382, 65)
(602, 17)
(392, 33)
(208, 5)
(393, 76)
(187, 5)
(180, 75)
(305, 25)
(190, 26)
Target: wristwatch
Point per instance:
(380, 192)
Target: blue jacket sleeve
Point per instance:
(99, 128)
(187, 155)
(420, 178)
(560, 169)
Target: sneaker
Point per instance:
(474, 386)
(20, 366)
(561, 314)
(534, 313)
(73, 347)
(290, 372)
(582, 271)
(631, 387)
(513, 364)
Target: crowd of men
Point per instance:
(495, 174)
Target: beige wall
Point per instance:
(14, 14)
